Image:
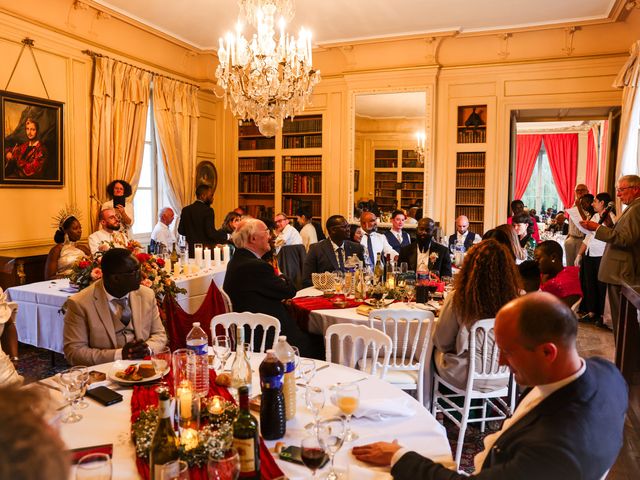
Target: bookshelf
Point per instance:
(470, 183)
(398, 178)
(282, 173)
(472, 124)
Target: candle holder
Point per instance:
(220, 411)
(188, 406)
(183, 363)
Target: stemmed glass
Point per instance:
(296, 356)
(331, 433)
(312, 452)
(347, 400)
(307, 370)
(161, 360)
(83, 377)
(410, 291)
(226, 468)
(222, 349)
(95, 466)
(314, 398)
(72, 382)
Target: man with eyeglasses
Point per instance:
(285, 233)
(621, 259)
(115, 318)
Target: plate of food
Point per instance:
(372, 302)
(134, 372)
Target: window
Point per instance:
(541, 192)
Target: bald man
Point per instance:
(161, 232)
(569, 421)
(463, 237)
(576, 235)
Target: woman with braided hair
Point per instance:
(66, 251)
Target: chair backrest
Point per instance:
(410, 332)
(372, 342)
(233, 320)
(484, 354)
(228, 306)
(576, 305)
(290, 261)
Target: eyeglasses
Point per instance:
(622, 189)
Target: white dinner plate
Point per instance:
(372, 301)
(123, 364)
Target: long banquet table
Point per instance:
(417, 430)
(40, 321)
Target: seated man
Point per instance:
(463, 236)
(114, 318)
(331, 253)
(374, 242)
(253, 286)
(161, 233)
(427, 249)
(109, 232)
(397, 237)
(285, 233)
(552, 432)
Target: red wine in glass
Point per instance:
(312, 458)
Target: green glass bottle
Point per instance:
(245, 438)
(164, 454)
(378, 271)
(174, 255)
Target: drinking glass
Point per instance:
(95, 466)
(72, 382)
(312, 452)
(307, 369)
(296, 356)
(225, 468)
(348, 399)
(338, 281)
(314, 398)
(404, 268)
(184, 367)
(410, 291)
(331, 433)
(161, 360)
(83, 377)
(222, 349)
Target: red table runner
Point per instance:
(143, 396)
(299, 308)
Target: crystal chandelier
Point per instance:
(420, 136)
(266, 79)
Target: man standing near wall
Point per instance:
(575, 237)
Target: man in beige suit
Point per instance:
(621, 259)
(115, 318)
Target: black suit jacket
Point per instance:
(442, 265)
(575, 433)
(393, 241)
(468, 242)
(322, 258)
(197, 223)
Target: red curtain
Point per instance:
(527, 149)
(562, 149)
(604, 153)
(591, 177)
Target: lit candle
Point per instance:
(216, 256)
(226, 253)
(198, 255)
(215, 407)
(185, 397)
(176, 268)
(207, 258)
(189, 438)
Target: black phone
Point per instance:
(293, 454)
(104, 395)
(118, 201)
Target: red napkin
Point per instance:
(144, 396)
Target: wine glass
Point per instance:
(296, 356)
(347, 400)
(307, 369)
(331, 433)
(72, 382)
(225, 468)
(314, 398)
(161, 360)
(312, 452)
(83, 377)
(410, 291)
(338, 281)
(95, 466)
(222, 349)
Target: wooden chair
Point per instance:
(249, 321)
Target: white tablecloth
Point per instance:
(39, 320)
(420, 431)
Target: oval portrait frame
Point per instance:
(207, 174)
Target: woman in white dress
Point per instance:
(66, 251)
(119, 192)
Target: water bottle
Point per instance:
(273, 423)
(198, 341)
(287, 356)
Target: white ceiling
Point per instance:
(202, 22)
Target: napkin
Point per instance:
(383, 408)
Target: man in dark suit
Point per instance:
(463, 235)
(331, 253)
(253, 286)
(396, 236)
(425, 247)
(560, 429)
(197, 221)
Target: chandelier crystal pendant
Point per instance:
(268, 78)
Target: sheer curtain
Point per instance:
(175, 110)
(527, 150)
(591, 177)
(629, 79)
(118, 121)
(562, 150)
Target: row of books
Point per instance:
(257, 183)
(470, 160)
(413, 185)
(298, 183)
(264, 163)
(291, 205)
(470, 197)
(472, 135)
(248, 129)
(470, 179)
(386, 177)
(302, 163)
(256, 143)
(412, 177)
(380, 192)
(303, 124)
(474, 214)
(302, 141)
(259, 211)
(386, 163)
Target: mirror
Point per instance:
(388, 167)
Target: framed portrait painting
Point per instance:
(32, 149)
(206, 174)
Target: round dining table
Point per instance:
(385, 413)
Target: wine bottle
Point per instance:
(246, 439)
(241, 368)
(174, 255)
(164, 454)
(378, 271)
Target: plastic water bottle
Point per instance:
(287, 356)
(198, 341)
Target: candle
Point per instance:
(216, 256)
(198, 255)
(226, 254)
(207, 258)
(215, 407)
(189, 438)
(167, 265)
(185, 397)
(391, 283)
(176, 268)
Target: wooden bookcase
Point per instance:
(282, 173)
(398, 178)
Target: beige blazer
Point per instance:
(621, 259)
(89, 333)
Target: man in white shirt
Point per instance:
(463, 236)
(372, 241)
(109, 232)
(576, 214)
(161, 233)
(285, 233)
(570, 421)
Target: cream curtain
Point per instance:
(629, 80)
(118, 123)
(175, 111)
